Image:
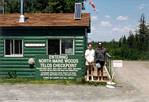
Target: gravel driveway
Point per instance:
(132, 86)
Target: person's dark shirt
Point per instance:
(100, 54)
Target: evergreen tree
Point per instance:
(54, 6)
(143, 34)
(120, 42)
(134, 47)
(131, 40)
(124, 40)
(12, 6)
(137, 39)
(61, 6)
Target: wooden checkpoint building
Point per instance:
(43, 45)
(55, 43)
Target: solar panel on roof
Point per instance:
(78, 9)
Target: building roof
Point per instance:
(45, 20)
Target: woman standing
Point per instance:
(90, 58)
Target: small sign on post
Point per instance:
(117, 63)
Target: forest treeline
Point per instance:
(44, 6)
(133, 47)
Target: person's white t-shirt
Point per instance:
(89, 56)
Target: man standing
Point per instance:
(90, 57)
(100, 55)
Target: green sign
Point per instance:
(60, 66)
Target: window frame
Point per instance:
(60, 42)
(13, 55)
(72, 46)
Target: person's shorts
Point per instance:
(102, 63)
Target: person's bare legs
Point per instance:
(92, 72)
(98, 74)
(101, 71)
(87, 75)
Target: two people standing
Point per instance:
(98, 57)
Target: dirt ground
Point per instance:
(132, 86)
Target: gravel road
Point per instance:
(132, 86)
(135, 74)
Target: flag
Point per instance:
(92, 4)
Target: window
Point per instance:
(53, 47)
(67, 46)
(13, 47)
(60, 46)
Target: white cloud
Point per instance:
(122, 18)
(124, 29)
(107, 16)
(141, 6)
(115, 29)
(105, 24)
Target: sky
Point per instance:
(115, 18)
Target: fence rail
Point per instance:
(108, 65)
